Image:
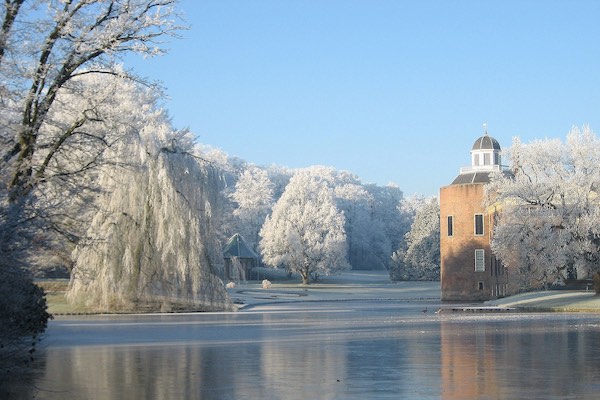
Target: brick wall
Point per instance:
(459, 280)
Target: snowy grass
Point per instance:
(550, 300)
(354, 285)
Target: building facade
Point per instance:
(469, 269)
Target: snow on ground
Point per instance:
(376, 285)
(352, 285)
(556, 300)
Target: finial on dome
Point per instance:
(485, 128)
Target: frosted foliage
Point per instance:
(548, 222)
(305, 232)
(254, 198)
(419, 259)
(387, 228)
(253, 191)
(152, 243)
(356, 204)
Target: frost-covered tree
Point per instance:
(419, 258)
(355, 202)
(305, 232)
(152, 244)
(44, 46)
(230, 168)
(47, 45)
(386, 224)
(549, 211)
(254, 198)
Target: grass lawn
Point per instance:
(55, 296)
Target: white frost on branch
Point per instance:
(305, 232)
(153, 241)
(549, 212)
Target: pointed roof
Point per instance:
(237, 247)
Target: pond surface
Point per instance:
(329, 350)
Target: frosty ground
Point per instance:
(376, 285)
(367, 285)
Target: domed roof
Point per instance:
(486, 142)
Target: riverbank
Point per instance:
(375, 285)
(348, 286)
(361, 286)
(552, 300)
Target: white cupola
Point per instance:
(486, 154)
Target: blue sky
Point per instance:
(393, 91)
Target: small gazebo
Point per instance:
(239, 258)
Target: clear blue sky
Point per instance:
(393, 91)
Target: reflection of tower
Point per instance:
(469, 361)
(469, 270)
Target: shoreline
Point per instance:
(371, 285)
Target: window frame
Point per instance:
(475, 225)
(450, 225)
(487, 159)
(480, 261)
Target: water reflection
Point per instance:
(366, 352)
(535, 357)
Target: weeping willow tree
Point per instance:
(152, 244)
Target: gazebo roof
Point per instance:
(237, 247)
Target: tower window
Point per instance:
(478, 224)
(480, 286)
(486, 159)
(479, 260)
(450, 225)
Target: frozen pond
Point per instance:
(322, 350)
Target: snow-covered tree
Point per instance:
(356, 202)
(549, 211)
(45, 47)
(152, 244)
(386, 224)
(305, 232)
(419, 257)
(254, 198)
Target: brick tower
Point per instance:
(469, 269)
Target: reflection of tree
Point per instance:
(324, 363)
(166, 372)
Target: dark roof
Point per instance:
(486, 142)
(237, 247)
(472, 177)
(477, 177)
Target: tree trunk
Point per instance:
(305, 277)
(597, 283)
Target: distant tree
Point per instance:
(254, 198)
(356, 202)
(548, 224)
(419, 259)
(305, 232)
(386, 223)
(230, 168)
